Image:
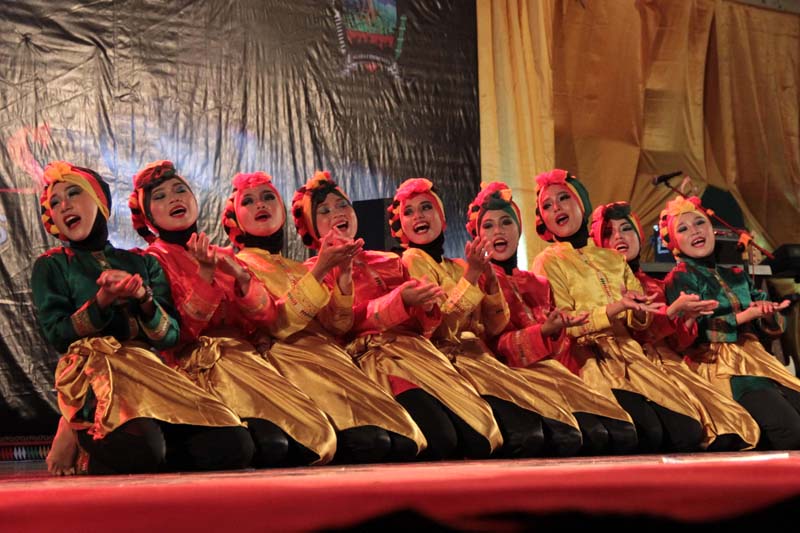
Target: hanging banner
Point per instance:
(375, 91)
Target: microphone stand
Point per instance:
(746, 241)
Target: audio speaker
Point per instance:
(373, 226)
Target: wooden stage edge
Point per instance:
(682, 490)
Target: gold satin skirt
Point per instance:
(719, 414)
(618, 362)
(327, 374)
(746, 357)
(473, 360)
(578, 396)
(234, 372)
(129, 381)
(414, 359)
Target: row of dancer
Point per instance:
(699, 323)
(270, 344)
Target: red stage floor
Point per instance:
(677, 490)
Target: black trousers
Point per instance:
(777, 412)
(275, 448)
(373, 444)
(659, 429)
(523, 434)
(529, 434)
(145, 445)
(448, 436)
(603, 435)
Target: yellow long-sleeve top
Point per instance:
(588, 279)
(303, 303)
(466, 315)
(467, 308)
(309, 317)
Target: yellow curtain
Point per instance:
(516, 103)
(618, 92)
(629, 96)
(752, 116)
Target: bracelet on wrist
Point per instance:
(148, 296)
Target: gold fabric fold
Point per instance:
(747, 357)
(415, 359)
(490, 377)
(617, 362)
(129, 381)
(719, 414)
(235, 373)
(328, 375)
(577, 395)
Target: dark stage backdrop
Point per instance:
(375, 91)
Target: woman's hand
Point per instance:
(557, 320)
(240, 274)
(200, 247)
(118, 284)
(638, 302)
(334, 251)
(491, 286)
(421, 293)
(477, 253)
(760, 309)
(690, 306)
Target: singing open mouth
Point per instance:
(421, 227)
(177, 211)
(71, 221)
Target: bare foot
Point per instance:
(63, 451)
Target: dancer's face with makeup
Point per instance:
(560, 211)
(694, 235)
(420, 219)
(336, 213)
(500, 229)
(259, 211)
(73, 211)
(620, 235)
(173, 206)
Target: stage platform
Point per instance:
(691, 491)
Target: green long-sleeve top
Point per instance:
(734, 291)
(64, 284)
